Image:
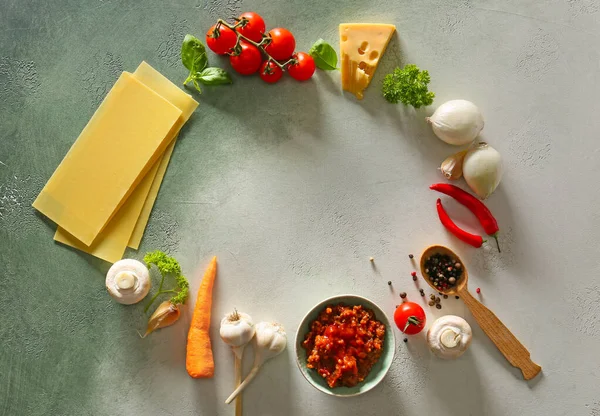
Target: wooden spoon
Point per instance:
(507, 343)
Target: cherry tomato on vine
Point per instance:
(248, 61)
(221, 41)
(410, 318)
(270, 72)
(254, 28)
(304, 68)
(282, 44)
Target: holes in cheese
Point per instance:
(361, 47)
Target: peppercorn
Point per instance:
(437, 300)
(445, 296)
(440, 293)
(442, 268)
(405, 340)
(456, 297)
(432, 296)
(422, 293)
(410, 256)
(389, 282)
(478, 290)
(414, 278)
(437, 305)
(431, 303)
(403, 295)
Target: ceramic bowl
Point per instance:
(378, 371)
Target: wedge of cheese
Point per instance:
(362, 45)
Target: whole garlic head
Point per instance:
(128, 281)
(449, 337)
(456, 122)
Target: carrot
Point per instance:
(199, 357)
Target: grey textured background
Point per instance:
(294, 187)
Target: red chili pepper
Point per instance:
(472, 239)
(483, 214)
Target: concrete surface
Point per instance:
(294, 187)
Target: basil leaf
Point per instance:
(213, 76)
(324, 55)
(193, 54)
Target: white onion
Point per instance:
(456, 122)
(482, 169)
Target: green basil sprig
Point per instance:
(194, 58)
(324, 55)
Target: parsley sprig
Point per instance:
(167, 265)
(409, 86)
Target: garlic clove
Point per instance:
(452, 166)
(128, 281)
(166, 314)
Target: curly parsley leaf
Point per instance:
(167, 266)
(409, 86)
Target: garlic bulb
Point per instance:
(449, 337)
(456, 122)
(128, 281)
(452, 166)
(482, 169)
(270, 340)
(237, 329)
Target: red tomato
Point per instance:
(410, 318)
(248, 61)
(282, 44)
(270, 72)
(304, 68)
(254, 28)
(222, 41)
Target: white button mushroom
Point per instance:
(128, 281)
(449, 337)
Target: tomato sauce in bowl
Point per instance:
(343, 344)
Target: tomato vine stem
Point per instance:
(259, 45)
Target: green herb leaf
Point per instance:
(194, 58)
(167, 266)
(409, 86)
(213, 76)
(324, 55)
(193, 54)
